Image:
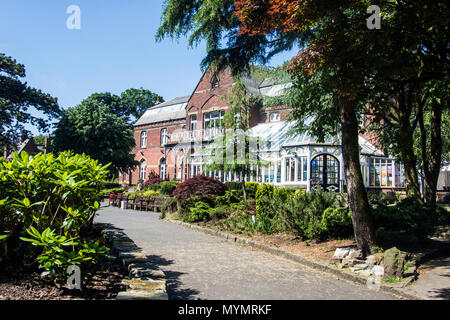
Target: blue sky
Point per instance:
(114, 50)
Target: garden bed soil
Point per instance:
(323, 251)
(28, 285)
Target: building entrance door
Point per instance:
(325, 172)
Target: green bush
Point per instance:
(251, 188)
(407, 222)
(336, 223)
(284, 193)
(233, 185)
(443, 215)
(60, 252)
(302, 212)
(152, 187)
(46, 192)
(107, 192)
(228, 198)
(170, 205)
(184, 206)
(262, 197)
(199, 212)
(143, 193)
(167, 187)
(218, 213)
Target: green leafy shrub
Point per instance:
(59, 253)
(262, 197)
(284, 193)
(302, 212)
(199, 212)
(233, 185)
(143, 193)
(167, 187)
(443, 215)
(407, 222)
(58, 193)
(336, 223)
(229, 197)
(251, 188)
(220, 212)
(107, 192)
(170, 205)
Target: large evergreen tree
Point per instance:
(92, 128)
(17, 102)
(338, 50)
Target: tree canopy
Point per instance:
(18, 100)
(338, 53)
(93, 129)
(130, 105)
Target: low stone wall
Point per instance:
(145, 281)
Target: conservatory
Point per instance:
(301, 161)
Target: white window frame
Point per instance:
(164, 135)
(274, 117)
(142, 170)
(143, 139)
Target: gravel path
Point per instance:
(200, 266)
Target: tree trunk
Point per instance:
(432, 163)
(243, 189)
(357, 195)
(407, 155)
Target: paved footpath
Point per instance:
(200, 266)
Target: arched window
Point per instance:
(142, 168)
(325, 170)
(162, 168)
(164, 137)
(143, 139)
(215, 81)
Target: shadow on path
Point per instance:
(174, 284)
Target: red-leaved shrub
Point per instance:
(199, 185)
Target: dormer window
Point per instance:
(274, 117)
(214, 82)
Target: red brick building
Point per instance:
(165, 133)
(152, 132)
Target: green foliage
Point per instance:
(135, 102)
(167, 187)
(407, 222)
(384, 198)
(47, 192)
(143, 193)
(336, 223)
(170, 205)
(233, 196)
(130, 105)
(263, 194)
(107, 192)
(251, 188)
(152, 186)
(233, 185)
(59, 253)
(18, 104)
(302, 213)
(284, 193)
(199, 212)
(92, 129)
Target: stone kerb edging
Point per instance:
(295, 257)
(145, 280)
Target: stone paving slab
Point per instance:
(200, 266)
